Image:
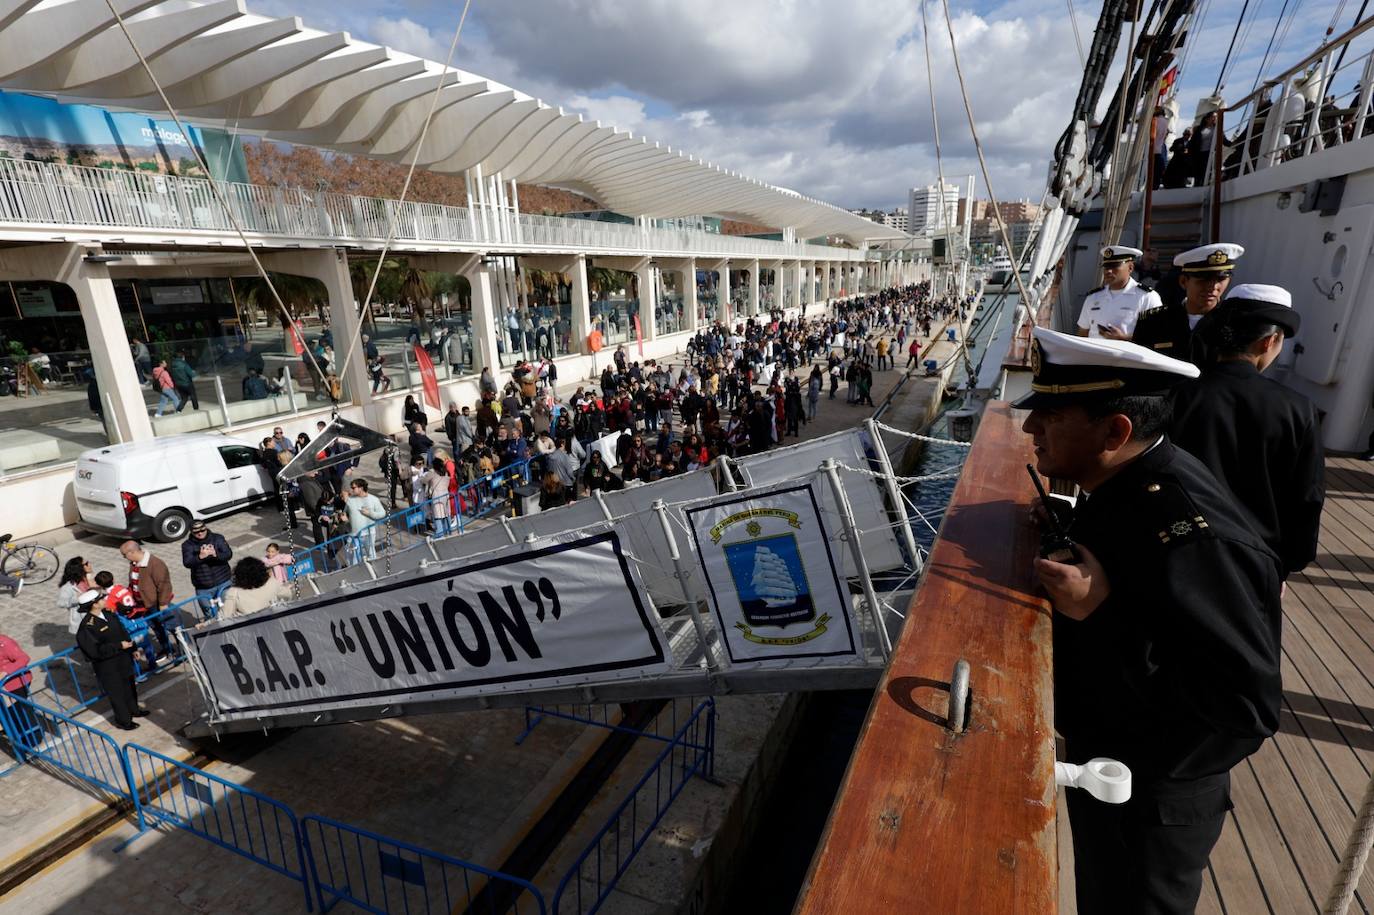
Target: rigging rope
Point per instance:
(1221, 77)
(978, 147)
(1077, 39)
(1353, 860)
(940, 172)
(214, 183)
(356, 339)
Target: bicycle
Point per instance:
(30, 562)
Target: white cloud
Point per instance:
(613, 111)
(828, 98)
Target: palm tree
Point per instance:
(415, 287)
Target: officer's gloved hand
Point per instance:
(1076, 589)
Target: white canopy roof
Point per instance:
(222, 66)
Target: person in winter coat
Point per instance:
(184, 378)
(207, 555)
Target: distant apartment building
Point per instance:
(897, 219)
(924, 206)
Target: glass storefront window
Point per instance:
(51, 409)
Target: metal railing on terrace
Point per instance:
(47, 194)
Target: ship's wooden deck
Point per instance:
(1295, 799)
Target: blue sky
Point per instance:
(827, 98)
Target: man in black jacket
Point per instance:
(1166, 624)
(105, 642)
(315, 494)
(207, 555)
(1260, 439)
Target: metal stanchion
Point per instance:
(680, 572)
(895, 494)
(851, 534)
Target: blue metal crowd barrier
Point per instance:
(690, 752)
(38, 733)
(411, 526)
(218, 810)
(344, 863)
(383, 875)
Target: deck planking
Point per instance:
(1295, 799)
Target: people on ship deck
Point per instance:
(1166, 627)
(1204, 274)
(1262, 440)
(1112, 309)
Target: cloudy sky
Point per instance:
(829, 98)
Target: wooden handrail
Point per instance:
(929, 820)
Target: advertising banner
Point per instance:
(518, 620)
(771, 577)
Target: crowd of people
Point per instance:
(741, 389)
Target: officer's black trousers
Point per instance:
(120, 687)
(1147, 856)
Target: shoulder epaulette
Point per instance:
(1172, 512)
(1145, 287)
(1098, 289)
(1157, 310)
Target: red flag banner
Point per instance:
(639, 337)
(427, 376)
(1166, 83)
(296, 343)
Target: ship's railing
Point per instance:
(1319, 103)
(60, 195)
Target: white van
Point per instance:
(154, 489)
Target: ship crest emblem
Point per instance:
(754, 528)
(1217, 258)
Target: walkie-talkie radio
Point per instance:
(1055, 544)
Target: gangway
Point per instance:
(776, 572)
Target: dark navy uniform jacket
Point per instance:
(1176, 674)
(1166, 330)
(101, 639)
(1263, 442)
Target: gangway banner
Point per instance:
(772, 577)
(522, 619)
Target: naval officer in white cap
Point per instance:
(1166, 631)
(1261, 439)
(1112, 309)
(1204, 274)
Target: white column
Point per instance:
(126, 418)
(752, 306)
(485, 317)
(825, 282)
(794, 293)
(330, 267)
(723, 309)
(648, 299)
(689, 291)
(581, 303)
